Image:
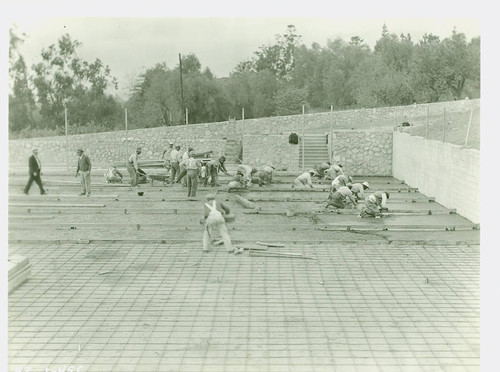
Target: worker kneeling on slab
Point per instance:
(237, 182)
(341, 198)
(214, 219)
(375, 204)
(304, 179)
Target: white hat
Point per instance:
(366, 184)
(171, 143)
(312, 171)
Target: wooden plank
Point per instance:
(58, 205)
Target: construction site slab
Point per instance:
(136, 307)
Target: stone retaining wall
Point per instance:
(367, 154)
(363, 153)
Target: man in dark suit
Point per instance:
(34, 172)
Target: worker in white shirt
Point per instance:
(246, 171)
(266, 174)
(165, 156)
(320, 169)
(340, 180)
(133, 167)
(358, 189)
(375, 204)
(192, 171)
(304, 179)
(182, 167)
(341, 198)
(237, 182)
(334, 171)
(175, 158)
(214, 219)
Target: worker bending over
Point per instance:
(321, 168)
(214, 219)
(341, 198)
(304, 179)
(113, 175)
(237, 182)
(247, 172)
(358, 189)
(375, 204)
(333, 172)
(214, 167)
(266, 174)
(339, 181)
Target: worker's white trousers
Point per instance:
(211, 224)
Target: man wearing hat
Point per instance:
(375, 204)
(133, 167)
(175, 158)
(182, 166)
(358, 189)
(83, 167)
(192, 172)
(35, 167)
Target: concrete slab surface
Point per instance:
(126, 287)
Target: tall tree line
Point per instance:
(278, 79)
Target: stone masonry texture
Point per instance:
(362, 139)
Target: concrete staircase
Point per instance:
(315, 150)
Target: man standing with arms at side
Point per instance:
(193, 170)
(133, 167)
(84, 166)
(35, 167)
(175, 158)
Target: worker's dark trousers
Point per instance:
(174, 170)
(192, 182)
(134, 177)
(38, 181)
(214, 176)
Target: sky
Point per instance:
(129, 45)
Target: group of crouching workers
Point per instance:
(343, 192)
(188, 169)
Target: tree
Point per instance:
(63, 79)
(21, 100)
(278, 58)
(460, 62)
(289, 100)
(441, 69)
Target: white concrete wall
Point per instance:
(448, 172)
